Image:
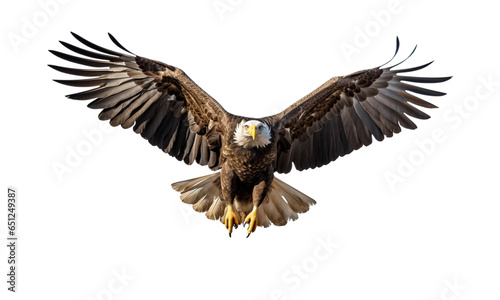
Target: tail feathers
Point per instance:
(281, 204)
(297, 201)
(203, 193)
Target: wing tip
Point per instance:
(413, 51)
(77, 36)
(395, 52)
(115, 41)
(65, 44)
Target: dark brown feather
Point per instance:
(160, 101)
(346, 111)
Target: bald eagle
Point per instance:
(172, 112)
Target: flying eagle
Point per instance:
(172, 112)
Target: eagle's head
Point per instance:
(252, 134)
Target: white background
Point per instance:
(432, 235)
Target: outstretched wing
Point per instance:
(166, 106)
(344, 113)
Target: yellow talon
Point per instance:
(251, 219)
(231, 219)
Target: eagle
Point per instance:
(172, 112)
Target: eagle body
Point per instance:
(172, 112)
(246, 172)
(249, 164)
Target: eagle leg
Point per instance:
(231, 219)
(251, 220)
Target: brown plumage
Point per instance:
(172, 112)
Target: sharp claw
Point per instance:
(248, 235)
(230, 234)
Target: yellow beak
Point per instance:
(252, 131)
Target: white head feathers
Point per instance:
(243, 134)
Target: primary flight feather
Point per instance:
(172, 112)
